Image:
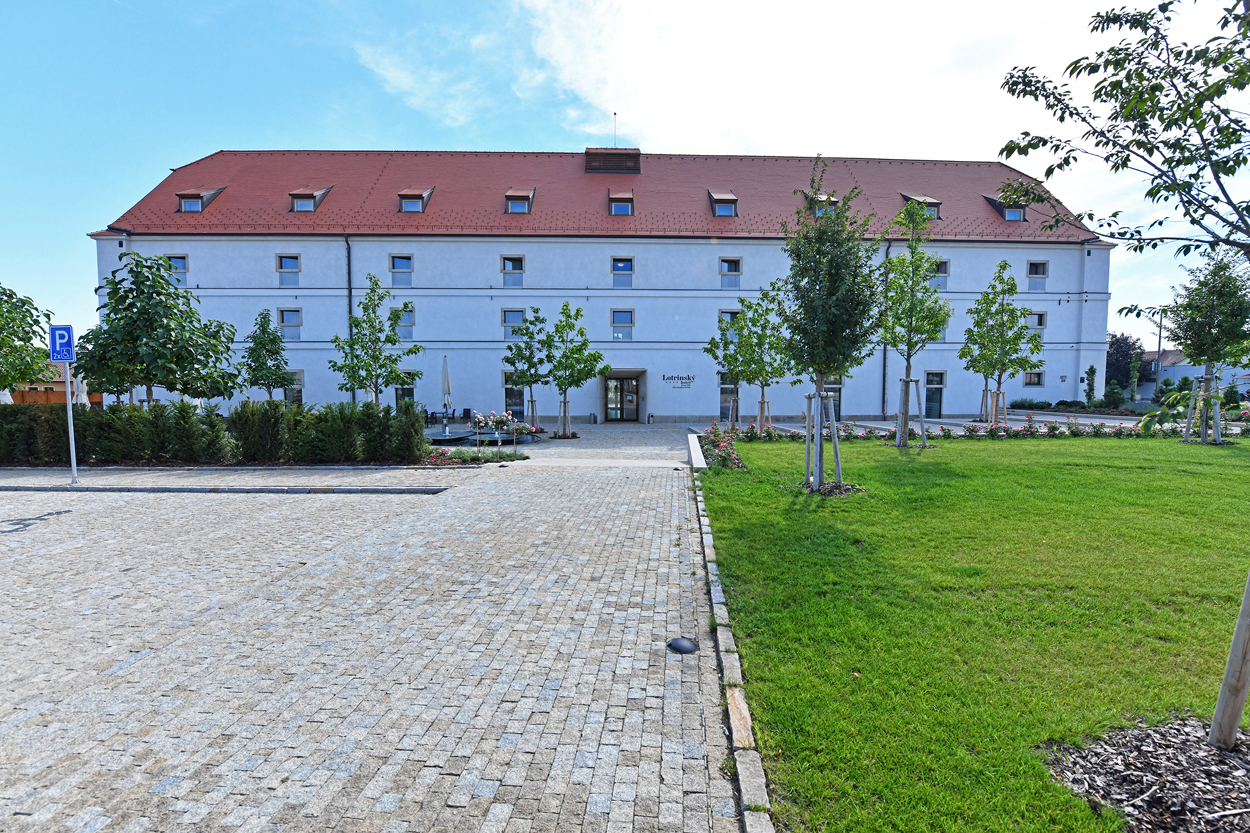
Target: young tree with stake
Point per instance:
(999, 344)
(751, 346)
(264, 358)
(528, 356)
(370, 358)
(914, 312)
(573, 363)
(828, 301)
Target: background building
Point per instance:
(654, 248)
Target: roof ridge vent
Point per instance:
(613, 161)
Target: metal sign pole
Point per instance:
(69, 410)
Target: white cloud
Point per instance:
(451, 100)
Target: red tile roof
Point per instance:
(670, 195)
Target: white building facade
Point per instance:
(653, 248)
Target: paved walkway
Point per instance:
(491, 658)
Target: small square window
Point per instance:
(932, 212)
(407, 318)
(518, 206)
(512, 318)
(179, 263)
(1013, 215)
(725, 209)
(401, 270)
(621, 208)
(412, 205)
(303, 204)
(513, 269)
(1033, 379)
(288, 270)
(290, 321)
(191, 205)
(622, 325)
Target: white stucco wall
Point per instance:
(676, 298)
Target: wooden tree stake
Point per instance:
(1232, 699)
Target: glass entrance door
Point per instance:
(622, 399)
(728, 393)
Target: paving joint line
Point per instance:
(229, 489)
(749, 769)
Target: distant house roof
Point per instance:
(1171, 358)
(670, 195)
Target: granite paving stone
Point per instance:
(490, 658)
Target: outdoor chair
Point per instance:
(464, 416)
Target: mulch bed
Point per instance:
(844, 490)
(1161, 778)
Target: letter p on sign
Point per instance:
(61, 343)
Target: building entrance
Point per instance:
(621, 396)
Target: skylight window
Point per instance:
(519, 201)
(307, 200)
(196, 200)
(1010, 213)
(414, 200)
(724, 203)
(823, 203)
(932, 205)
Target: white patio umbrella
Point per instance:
(80, 389)
(446, 385)
(6, 398)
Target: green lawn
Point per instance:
(909, 651)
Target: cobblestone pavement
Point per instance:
(491, 658)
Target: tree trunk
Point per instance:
(904, 410)
(533, 415)
(760, 424)
(149, 388)
(1232, 699)
(564, 419)
(999, 411)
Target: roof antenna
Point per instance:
(613, 128)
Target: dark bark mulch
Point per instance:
(1161, 778)
(843, 490)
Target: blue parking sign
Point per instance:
(61, 343)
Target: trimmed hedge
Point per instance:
(269, 431)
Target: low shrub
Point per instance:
(1070, 405)
(258, 430)
(1026, 404)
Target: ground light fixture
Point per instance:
(682, 645)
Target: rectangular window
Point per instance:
(621, 208)
(303, 204)
(191, 205)
(1033, 379)
(934, 382)
(405, 392)
(290, 321)
(407, 318)
(401, 270)
(512, 318)
(1037, 320)
(932, 212)
(941, 271)
(622, 325)
(518, 206)
(622, 273)
(1039, 271)
(1013, 215)
(295, 393)
(513, 268)
(730, 315)
(288, 270)
(412, 205)
(730, 273)
(725, 209)
(180, 268)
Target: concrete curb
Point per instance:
(697, 462)
(752, 784)
(240, 490)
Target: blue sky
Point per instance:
(103, 97)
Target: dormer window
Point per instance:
(196, 200)
(307, 200)
(519, 201)
(932, 205)
(822, 204)
(414, 200)
(621, 203)
(1010, 213)
(724, 203)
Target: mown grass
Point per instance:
(910, 651)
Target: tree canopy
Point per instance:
(1163, 110)
(751, 345)
(23, 341)
(370, 355)
(1209, 317)
(264, 358)
(1121, 348)
(999, 344)
(152, 335)
(529, 355)
(573, 363)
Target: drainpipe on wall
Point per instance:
(885, 355)
(350, 306)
